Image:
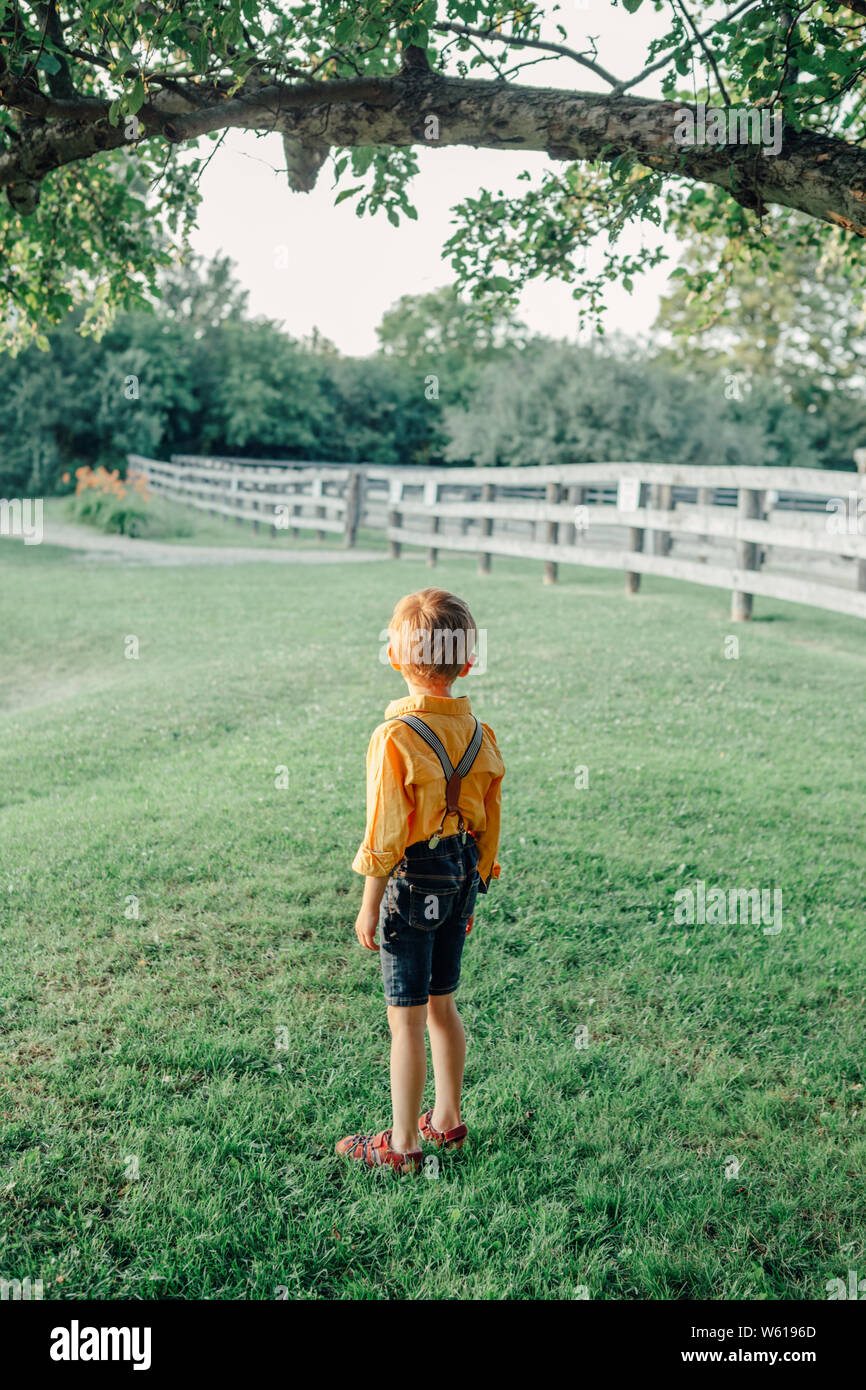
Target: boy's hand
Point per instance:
(365, 928)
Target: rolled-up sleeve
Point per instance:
(390, 805)
(488, 838)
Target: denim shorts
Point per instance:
(422, 921)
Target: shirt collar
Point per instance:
(428, 704)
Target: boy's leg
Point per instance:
(448, 1046)
(408, 1072)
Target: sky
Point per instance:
(310, 264)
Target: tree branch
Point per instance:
(821, 176)
(557, 49)
(60, 83)
(704, 34)
(706, 50)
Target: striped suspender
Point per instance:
(438, 747)
(453, 776)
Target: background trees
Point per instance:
(197, 375)
(557, 403)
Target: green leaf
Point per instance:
(136, 98)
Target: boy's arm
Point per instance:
(368, 917)
(390, 804)
(488, 839)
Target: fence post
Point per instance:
(748, 509)
(353, 494)
(362, 499)
(574, 497)
(395, 496)
(431, 497)
(318, 490)
(488, 493)
(704, 499)
(552, 495)
(233, 496)
(666, 504)
(860, 460)
(631, 496)
(270, 509)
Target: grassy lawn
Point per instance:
(156, 1141)
(174, 524)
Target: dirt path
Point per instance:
(98, 544)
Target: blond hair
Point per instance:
(432, 634)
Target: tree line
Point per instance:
(448, 384)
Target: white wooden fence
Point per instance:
(785, 533)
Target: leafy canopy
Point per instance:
(109, 110)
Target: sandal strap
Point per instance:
(447, 1135)
(382, 1147)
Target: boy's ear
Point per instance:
(468, 667)
(394, 663)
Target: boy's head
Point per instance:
(432, 637)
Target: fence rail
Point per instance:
(788, 533)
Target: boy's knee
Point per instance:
(442, 1006)
(407, 1019)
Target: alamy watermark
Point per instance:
(441, 646)
(22, 517)
(21, 1290)
(847, 516)
(837, 1290)
(729, 125)
(738, 906)
(77, 1343)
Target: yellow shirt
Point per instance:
(406, 785)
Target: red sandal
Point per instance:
(442, 1138)
(375, 1151)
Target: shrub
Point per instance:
(122, 506)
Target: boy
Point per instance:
(433, 801)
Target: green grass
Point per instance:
(174, 524)
(601, 1166)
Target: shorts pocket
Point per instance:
(429, 907)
